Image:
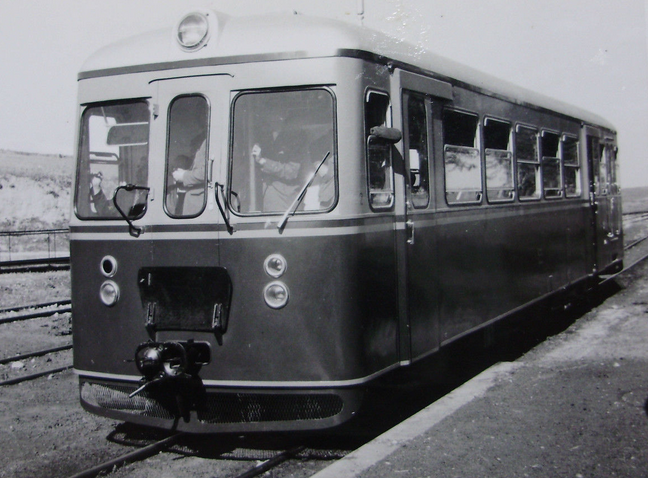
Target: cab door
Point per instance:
(191, 113)
(188, 113)
(421, 101)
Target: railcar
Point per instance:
(224, 280)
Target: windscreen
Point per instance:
(113, 151)
(279, 140)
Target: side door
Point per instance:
(421, 100)
(605, 200)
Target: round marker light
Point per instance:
(109, 266)
(109, 293)
(192, 32)
(276, 294)
(275, 265)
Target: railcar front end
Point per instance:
(215, 290)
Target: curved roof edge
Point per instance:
(279, 36)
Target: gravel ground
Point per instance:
(44, 431)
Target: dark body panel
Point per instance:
(497, 260)
(340, 322)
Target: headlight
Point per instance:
(275, 265)
(148, 360)
(109, 293)
(192, 31)
(276, 294)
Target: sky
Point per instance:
(590, 53)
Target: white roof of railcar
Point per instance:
(262, 37)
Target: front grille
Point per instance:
(115, 397)
(251, 407)
(219, 407)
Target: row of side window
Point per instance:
(524, 162)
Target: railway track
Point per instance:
(35, 311)
(27, 312)
(163, 445)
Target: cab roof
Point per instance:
(287, 36)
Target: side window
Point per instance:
(603, 180)
(417, 150)
(571, 164)
(463, 176)
(113, 151)
(379, 156)
(551, 171)
(528, 164)
(613, 167)
(499, 161)
(186, 161)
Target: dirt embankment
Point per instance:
(34, 191)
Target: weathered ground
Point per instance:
(574, 406)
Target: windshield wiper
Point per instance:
(221, 188)
(136, 210)
(293, 207)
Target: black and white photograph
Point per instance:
(353, 238)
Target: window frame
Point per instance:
(230, 192)
(167, 161)
(513, 192)
(526, 161)
(473, 150)
(546, 161)
(373, 192)
(83, 134)
(575, 167)
(408, 94)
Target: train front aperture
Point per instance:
(194, 299)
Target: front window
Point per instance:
(281, 140)
(113, 151)
(187, 156)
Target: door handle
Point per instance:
(409, 228)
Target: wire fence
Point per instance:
(38, 244)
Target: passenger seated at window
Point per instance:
(99, 203)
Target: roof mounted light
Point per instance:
(193, 31)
